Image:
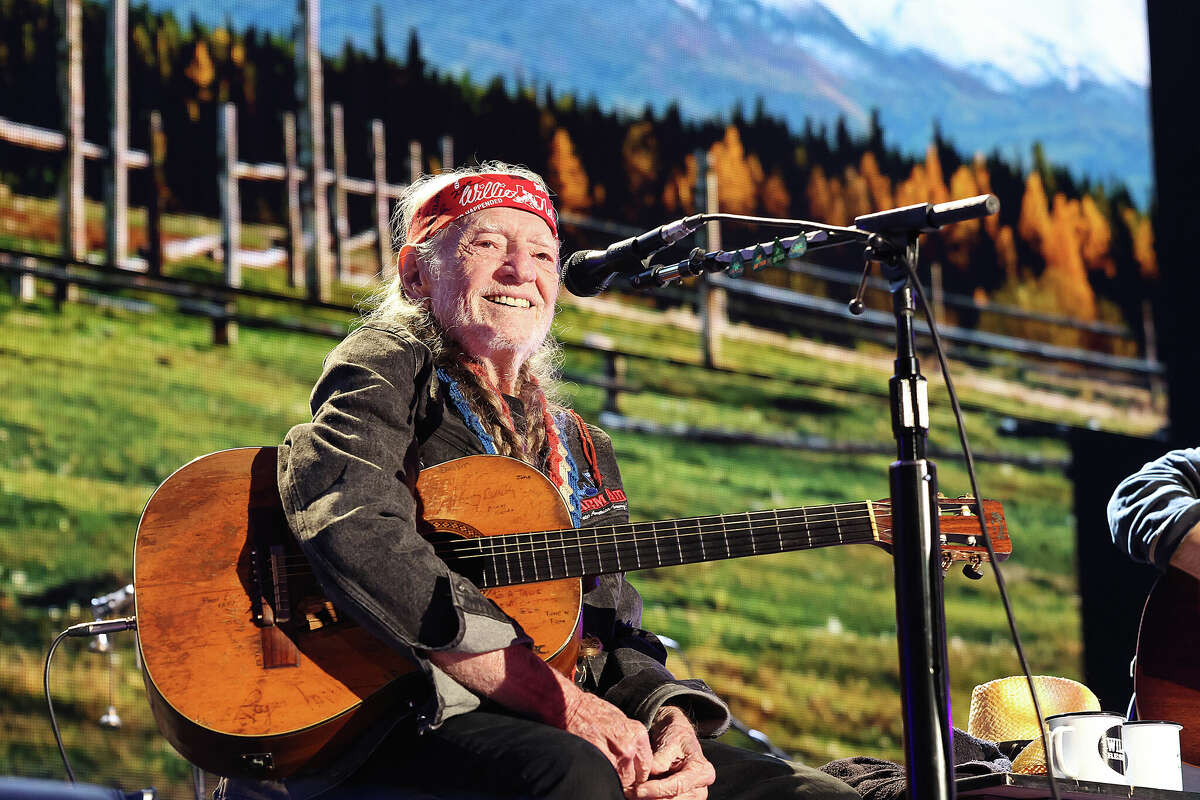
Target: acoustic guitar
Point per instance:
(1166, 675)
(251, 672)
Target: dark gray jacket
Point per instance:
(1158, 503)
(380, 415)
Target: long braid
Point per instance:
(500, 413)
(536, 412)
(485, 405)
(488, 404)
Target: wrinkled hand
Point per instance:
(679, 768)
(623, 741)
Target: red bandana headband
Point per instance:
(475, 193)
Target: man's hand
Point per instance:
(679, 768)
(622, 740)
(517, 679)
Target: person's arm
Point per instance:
(1187, 553)
(1154, 510)
(346, 483)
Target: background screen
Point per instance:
(123, 362)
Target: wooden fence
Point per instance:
(215, 303)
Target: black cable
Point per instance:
(62, 751)
(987, 539)
(783, 223)
(82, 629)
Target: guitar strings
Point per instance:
(513, 544)
(689, 549)
(654, 531)
(492, 545)
(619, 534)
(691, 553)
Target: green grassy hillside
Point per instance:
(105, 402)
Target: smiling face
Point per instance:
(495, 294)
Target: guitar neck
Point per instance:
(551, 555)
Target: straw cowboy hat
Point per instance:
(1002, 712)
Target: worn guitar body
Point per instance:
(261, 697)
(1167, 671)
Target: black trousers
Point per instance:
(489, 755)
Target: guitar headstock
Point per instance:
(959, 529)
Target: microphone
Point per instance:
(924, 217)
(587, 273)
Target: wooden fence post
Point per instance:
(158, 193)
(614, 373)
(416, 162)
(383, 228)
(314, 203)
(447, 143)
(73, 232)
(711, 300)
(224, 331)
(341, 221)
(117, 180)
(295, 227)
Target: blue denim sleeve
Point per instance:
(1157, 505)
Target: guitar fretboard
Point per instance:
(551, 555)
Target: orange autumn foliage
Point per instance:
(566, 175)
(739, 175)
(879, 184)
(678, 194)
(639, 153)
(1033, 225)
(1142, 234)
(959, 238)
(1065, 275)
(775, 200)
(1095, 237)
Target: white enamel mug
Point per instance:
(1152, 754)
(1087, 746)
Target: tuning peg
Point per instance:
(973, 569)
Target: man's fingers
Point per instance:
(674, 787)
(696, 775)
(669, 786)
(665, 758)
(631, 755)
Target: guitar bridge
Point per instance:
(269, 579)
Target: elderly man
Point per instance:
(455, 360)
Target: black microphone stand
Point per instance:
(916, 544)
(891, 238)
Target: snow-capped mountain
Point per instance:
(801, 57)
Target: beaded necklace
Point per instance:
(560, 464)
